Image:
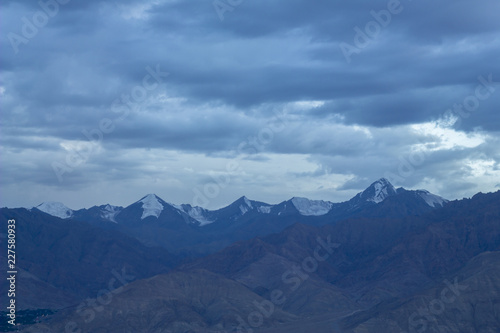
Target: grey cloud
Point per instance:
(231, 76)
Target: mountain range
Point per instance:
(388, 260)
(195, 231)
(153, 206)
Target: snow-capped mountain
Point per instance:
(179, 228)
(308, 207)
(246, 206)
(96, 213)
(108, 212)
(198, 214)
(431, 199)
(153, 207)
(378, 191)
(243, 207)
(55, 209)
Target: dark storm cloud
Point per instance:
(228, 78)
(398, 66)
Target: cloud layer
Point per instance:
(265, 99)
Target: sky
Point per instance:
(202, 102)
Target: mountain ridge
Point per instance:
(153, 205)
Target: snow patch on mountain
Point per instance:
(109, 212)
(55, 209)
(382, 189)
(246, 206)
(198, 214)
(432, 199)
(247, 202)
(380, 193)
(151, 206)
(312, 207)
(243, 209)
(264, 209)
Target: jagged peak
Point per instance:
(247, 201)
(150, 196)
(243, 201)
(109, 212)
(379, 190)
(309, 207)
(54, 208)
(431, 199)
(152, 205)
(383, 181)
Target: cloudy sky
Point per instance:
(203, 101)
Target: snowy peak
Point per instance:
(244, 204)
(311, 207)
(196, 213)
(151, 205)
(244, 201)
(199, 214)
(431, 199)
(243, 208)
(247, 202)
(240, 207)
(382, 189)
(108, 212)
(55, 209)
(379, 191)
